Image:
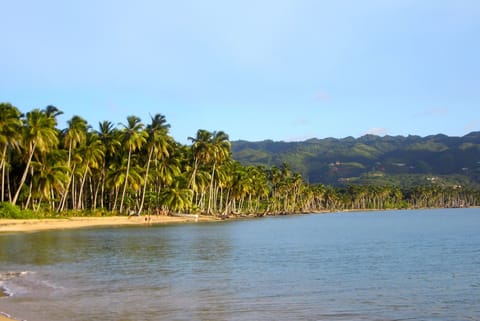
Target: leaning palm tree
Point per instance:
(74, 136)
(10, 128)
(157, 143)
(92, 156)
(133, 138)
(39, 133)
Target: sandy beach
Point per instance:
(32, 225)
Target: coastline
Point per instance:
(34, 225)
(5, 318)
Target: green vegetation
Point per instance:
(137, 168)
(399, 161)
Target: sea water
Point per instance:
(389, 265)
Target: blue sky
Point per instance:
(272, 69)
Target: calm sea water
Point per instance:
(392, 265)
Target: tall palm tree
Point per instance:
(110, 139)
(93, 153)
(10, 128)
(200, 152)
(157, 143)
(39, 133)
(133, 138)
(75, 135)
(220, 152)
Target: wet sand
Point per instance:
(32, 225)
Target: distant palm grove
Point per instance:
(135, 167)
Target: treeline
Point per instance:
(136, 167)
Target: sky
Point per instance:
(286, 70)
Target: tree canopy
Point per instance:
(135, 168)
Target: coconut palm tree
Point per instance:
(201, 152)
(51, 177)
(39, 134)
(158, 144)
(75, 135)
(10, 129)
(177, 197)
(133, 137)
(93, 154)
(110, 139)
(220, 152)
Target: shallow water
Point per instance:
(392, 265)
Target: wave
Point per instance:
(8, 277)
(11, 275)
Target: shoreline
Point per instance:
(4, 317)
(34, 225)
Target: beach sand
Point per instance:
(4, 318)
(32, 225)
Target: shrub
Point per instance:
(7, 210)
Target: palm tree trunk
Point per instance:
(145, 181)
(80, 195)
(63, 201)
(25, 172)
(126, 180)
(2, 166)
(210, 194)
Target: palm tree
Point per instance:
(209, 149)
(220, 150)
(200, 152)
(133, 138)
(177, 198)
(110, 139)
(74, 136)
(10, 127)
(157, 143)
(93, 154)
(51, 176)
(38, 134)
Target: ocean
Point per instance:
(386, 265)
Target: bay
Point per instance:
(389, 265)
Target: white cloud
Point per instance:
(377, 131)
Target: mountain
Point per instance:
(372, 159)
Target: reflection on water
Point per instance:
(418, 265)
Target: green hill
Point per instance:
(370, 159)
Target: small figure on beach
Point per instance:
(148, 218)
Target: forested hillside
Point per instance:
(138, 167)
(399, 160)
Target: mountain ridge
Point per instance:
(371, 159)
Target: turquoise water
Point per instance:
(392, 265)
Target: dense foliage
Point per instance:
(398, 160)
(135, 168)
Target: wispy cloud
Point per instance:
(377, 131)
